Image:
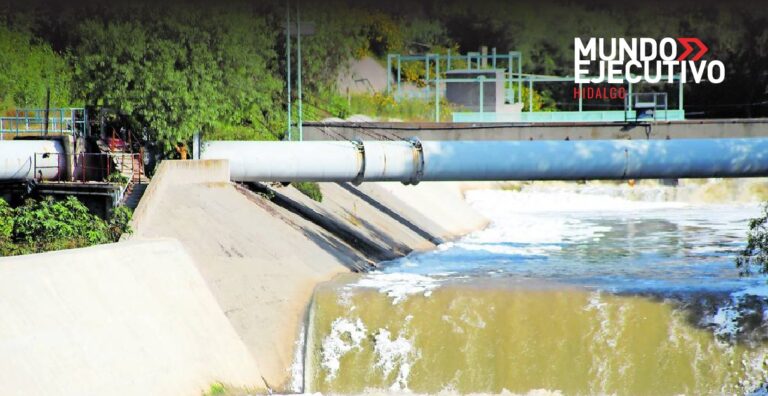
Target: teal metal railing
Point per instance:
(638, 106)
(511, 62)
(660, 109)
(39, 122)
(436, 67)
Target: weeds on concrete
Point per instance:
(219, 389)
(310, 189)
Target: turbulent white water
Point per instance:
(594, 236)
(612, 240)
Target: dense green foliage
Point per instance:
(755, 254)
(177, 71)
(39, 226)
(27, 69)
(310, 189)
(174, 68)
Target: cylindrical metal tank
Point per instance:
(21, 159)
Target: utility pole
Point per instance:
(288, 60)
(309, 29)
(48, 109)
(298, 61)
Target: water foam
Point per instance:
(296, 369)
(564, 232)
(728, 320)
(346, 335)
(399, 286)
(394, 353)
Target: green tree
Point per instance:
(180, 69)
(147, 74)
(28, 67)
(252, 84)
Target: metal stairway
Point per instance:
(133, 194)
(131, 167)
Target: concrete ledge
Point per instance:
(183, 172)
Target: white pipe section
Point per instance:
(391, 161)
(287, 161)
(414, 161)
(18, 159)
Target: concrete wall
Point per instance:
(365, 75)
(132, 318)
(390, 219)
(532, 131)
(262, 258)
(260, 262)
(212, 286)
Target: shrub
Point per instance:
(50, 224)
(118, 178)
(216, 389)
(756, 251)
(39, 226)
(383, 106)
(119, 222)
(6, 226)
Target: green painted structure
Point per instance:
(41, 122)
(565, 116)
(638, 106)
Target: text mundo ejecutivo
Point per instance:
(615, 60)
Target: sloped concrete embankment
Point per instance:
(133, 318)
(212, 286)
(262, 254)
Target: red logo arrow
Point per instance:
(686, 43)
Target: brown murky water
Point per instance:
(490, 339)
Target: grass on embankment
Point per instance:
(310, 189)
(384, 107)
(219, 389)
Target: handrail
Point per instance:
(92, 167)
(72, 121)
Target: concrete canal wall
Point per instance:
(131, 318)
(231, 270)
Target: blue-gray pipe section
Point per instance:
(414, 161)
(595, 159)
